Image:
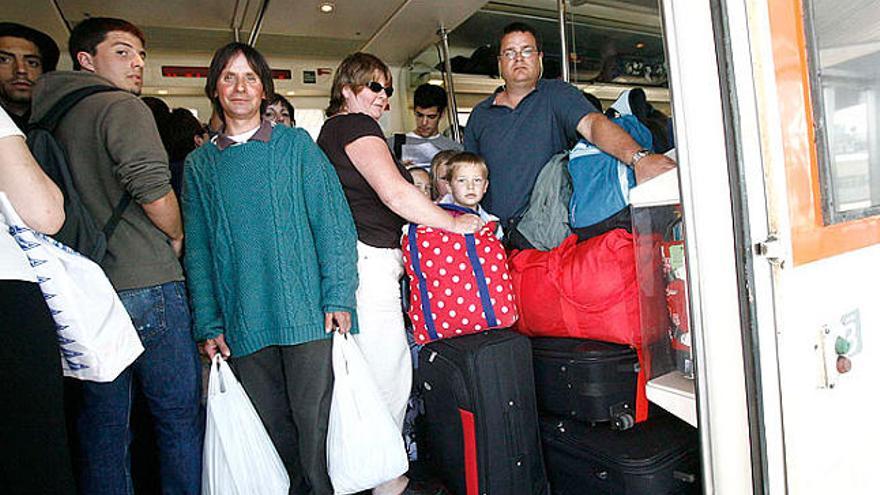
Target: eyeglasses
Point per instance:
(376, 87)
(527, 52)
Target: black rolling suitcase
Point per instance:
(481, 425)
(587, 380)
(657, 457)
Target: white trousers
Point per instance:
(382, 337)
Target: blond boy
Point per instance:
(467, 177)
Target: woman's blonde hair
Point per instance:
(356, 71)
(441, 159)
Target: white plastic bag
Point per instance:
(239, 457)
(95, 334)
(364, 446)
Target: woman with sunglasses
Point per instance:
(382, 199)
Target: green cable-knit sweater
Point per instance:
(270, 242)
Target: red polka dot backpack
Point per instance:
(459, 283)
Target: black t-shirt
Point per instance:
(376, 224)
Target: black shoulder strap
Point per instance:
(50, 121)
(116, 216)
(399, 140)
(53, 116)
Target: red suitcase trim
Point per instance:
(469, 436)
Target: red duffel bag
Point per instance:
(459, 284)
(585, 290)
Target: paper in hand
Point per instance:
(419, 154)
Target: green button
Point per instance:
(841, 346)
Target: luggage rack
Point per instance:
(675, 393)
(671, 389)
(486, 85)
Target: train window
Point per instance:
(844, 40)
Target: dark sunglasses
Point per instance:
(376, 87)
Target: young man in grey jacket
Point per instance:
(113, 150)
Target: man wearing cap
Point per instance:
(25, 54)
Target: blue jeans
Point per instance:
(169, 374)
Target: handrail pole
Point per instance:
(258, 24)
(452, 106)
(563, 42)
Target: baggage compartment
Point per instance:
(657, 457)
(586, 380)
(672, 250)
(480, 423)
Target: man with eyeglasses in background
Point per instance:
(418, 147)
(529, 119)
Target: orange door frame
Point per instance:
(811, 239)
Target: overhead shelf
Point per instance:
(486, 85)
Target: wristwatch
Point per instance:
(638, 155)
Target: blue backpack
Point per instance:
(600, 182)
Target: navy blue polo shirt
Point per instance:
(516, 143)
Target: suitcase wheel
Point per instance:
(623, 421)
(622, 417)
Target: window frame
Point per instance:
(811, 238)
(830, 215)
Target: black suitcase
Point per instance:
(657, 457)
(481, 424)
(587, 380)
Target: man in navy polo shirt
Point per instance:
(529, 119)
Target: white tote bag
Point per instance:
(364, 446)
(95, 334)
(239, 457)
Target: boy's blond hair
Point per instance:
(465, 158)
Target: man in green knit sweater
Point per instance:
(271, 260)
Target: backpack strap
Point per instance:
(54, 115)
(111, 224)
(50, 121)
(399, 140)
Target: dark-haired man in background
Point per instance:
(529, 119)
(114, 151)
(25, 55)
(418, 147)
